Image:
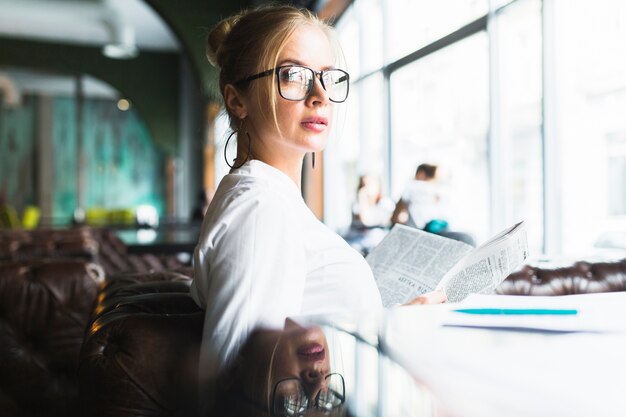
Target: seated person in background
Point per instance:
(371, 209)
(422, 204)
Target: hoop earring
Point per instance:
(234, 159)
(312, 160)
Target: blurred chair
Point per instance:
(30, 217)
(121, 216)
(8, 217)
(96, 216)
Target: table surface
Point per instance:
(408, 362)
(166, 240)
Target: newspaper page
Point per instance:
(409, 262)
(481, 271)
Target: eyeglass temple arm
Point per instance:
(257, 76)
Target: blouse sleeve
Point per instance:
(255, 262)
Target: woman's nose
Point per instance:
(318, 93)
(313, 380)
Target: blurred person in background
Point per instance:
(371, 208)
(423, 204)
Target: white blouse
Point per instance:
(263, 256)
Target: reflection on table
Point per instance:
(422, 361)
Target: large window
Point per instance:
(520, 102)
(588, 87)
(412, 24)
(440, 114)
(516, 120)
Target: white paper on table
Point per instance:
(485, 373)
(602, 312)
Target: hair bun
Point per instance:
(216, 39)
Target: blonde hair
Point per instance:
(251, 42)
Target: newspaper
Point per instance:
(409, 262)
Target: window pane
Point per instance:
(590, 99)
(357, 148)
(517, 145)
(370, 15)
(340, 159)
(617, 179)
(361, 35)
(412, 24)
(439, 111)
(348, 33)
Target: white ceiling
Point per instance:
(84, 22)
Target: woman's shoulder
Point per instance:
(246, 190)
(242, 200)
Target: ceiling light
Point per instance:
(121, 44)
(119, 51)
(123, 104)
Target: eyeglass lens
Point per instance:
(290, 398)
(296, 83)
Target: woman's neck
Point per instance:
(292, 167)
(285, 159)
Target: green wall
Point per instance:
(17, 152)
(123, 168)
(150, 81)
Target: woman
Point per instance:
(262, 254)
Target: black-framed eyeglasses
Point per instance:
(295, 82)
(290, 399)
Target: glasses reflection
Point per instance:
(282, 374)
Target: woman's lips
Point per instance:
(315, 124)
(312, 352)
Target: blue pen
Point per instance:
(518, 311)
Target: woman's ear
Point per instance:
(234, 102)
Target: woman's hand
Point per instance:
(435, 297)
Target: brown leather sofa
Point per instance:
(22, 245)
(98, 245)
(140, 354)
(48, 289)
(44, 308)
(115, 258)
(579, 278)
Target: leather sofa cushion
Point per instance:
(44, 308)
